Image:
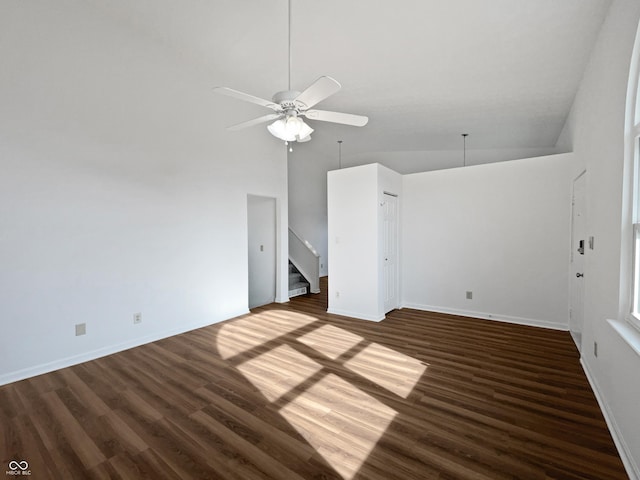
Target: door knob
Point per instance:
(579, 275)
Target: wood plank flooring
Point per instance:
(291, 392)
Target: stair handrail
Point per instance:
(306, 259)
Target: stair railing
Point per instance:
(306, 260)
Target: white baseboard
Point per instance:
(532, 322)
(629, 464)
(346, 313)
(100, 352)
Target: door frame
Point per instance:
(271, 250)
(387, 307)
(573, 252)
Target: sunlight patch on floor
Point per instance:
(278, 371)
(331, 341)
(400, 373)
(246, 333)
(338, 419)
(341, 422)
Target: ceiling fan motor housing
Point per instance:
(286, 100)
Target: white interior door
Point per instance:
(261, 227)
(578, 251)
(390, 252)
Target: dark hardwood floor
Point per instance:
(291, 392)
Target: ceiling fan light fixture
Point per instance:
(293, 124)
(290, 129)
(304, 132)
(279, 130)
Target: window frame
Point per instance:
(633, 140)
(634, 316)
(632, 160)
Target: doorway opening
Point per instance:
(261, 228)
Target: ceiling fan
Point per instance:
(290, 105)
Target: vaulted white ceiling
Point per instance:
(424, 71)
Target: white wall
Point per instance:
(120, 190)
(308, 167)
(595, 132)
(355, 199)
(500, 231)
(353, 245)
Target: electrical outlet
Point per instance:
(469, 295)
(337, 294)
(595, 349)
(81, 329)
(137, 317)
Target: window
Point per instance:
(635, 310)
(633, 149)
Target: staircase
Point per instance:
(304, 266)
(298, 285)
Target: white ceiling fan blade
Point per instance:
(256, 121)
(337, 117)
(322, 88)
(230, 92)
